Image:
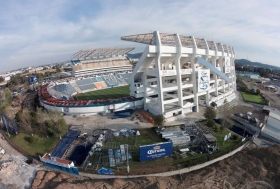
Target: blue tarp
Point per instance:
(105, 171)
(65, 143)
(130, 111)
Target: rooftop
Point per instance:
(101, 52)
(171, 40)
(63, 161)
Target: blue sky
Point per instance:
(42, 32)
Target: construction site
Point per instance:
(93, 148)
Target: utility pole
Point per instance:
(127, 158)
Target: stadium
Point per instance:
(174, 75)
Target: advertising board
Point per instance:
(203, 80)
(32, 79)
(227, 65)
(168, 73)
(154, 151)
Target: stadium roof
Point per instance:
(170, 40)
(100, 53)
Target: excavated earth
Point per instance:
(256, 168)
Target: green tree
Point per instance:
(210, 123)
(210, 113)
(225, 112)
(222, 128)
(25, 121)
(8, 96)
(213, 104)
(239, 78)
(57, 69)
(159, 120)
(216, 128)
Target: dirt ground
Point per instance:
(15, 173)
(256, 168)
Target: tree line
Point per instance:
(264, 72)
(48, 123)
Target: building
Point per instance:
(206, 75)
(177, 73)
(100, 61)
(271, 127)
(59, 164)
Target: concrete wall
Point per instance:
(93, 110)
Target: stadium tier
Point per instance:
(174, 75)
(100, 61)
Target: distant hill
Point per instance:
(258, 64)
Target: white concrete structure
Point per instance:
(176, 73)
(100, 61)
(271, 128)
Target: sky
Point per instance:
(41, 32)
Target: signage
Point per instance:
(154, 151)
(227, 65)
(186, 71)
(32, 79)
(203, 80)
(168, 73)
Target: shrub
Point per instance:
(30, 139)
(210, 123)
(234, 137)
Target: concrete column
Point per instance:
(207, 98)
(158, 69)
(213, 61)
(194, 75)
(178, 70)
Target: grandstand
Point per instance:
(65, 90)
(174, 75)
(177, 73)
(100, 62)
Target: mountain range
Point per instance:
(257, 64)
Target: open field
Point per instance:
(252, 98)
(115, 92)
(40, 146)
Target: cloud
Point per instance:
(42, 32)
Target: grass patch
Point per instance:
(147, 136)
(114, 92)
(258, 99)
(39, 146)
(227, 144)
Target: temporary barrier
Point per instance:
(147, 117)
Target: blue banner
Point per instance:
(155, 151)
(32, 79)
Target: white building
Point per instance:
(100, 61)
(271, 128)
(176, 73)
